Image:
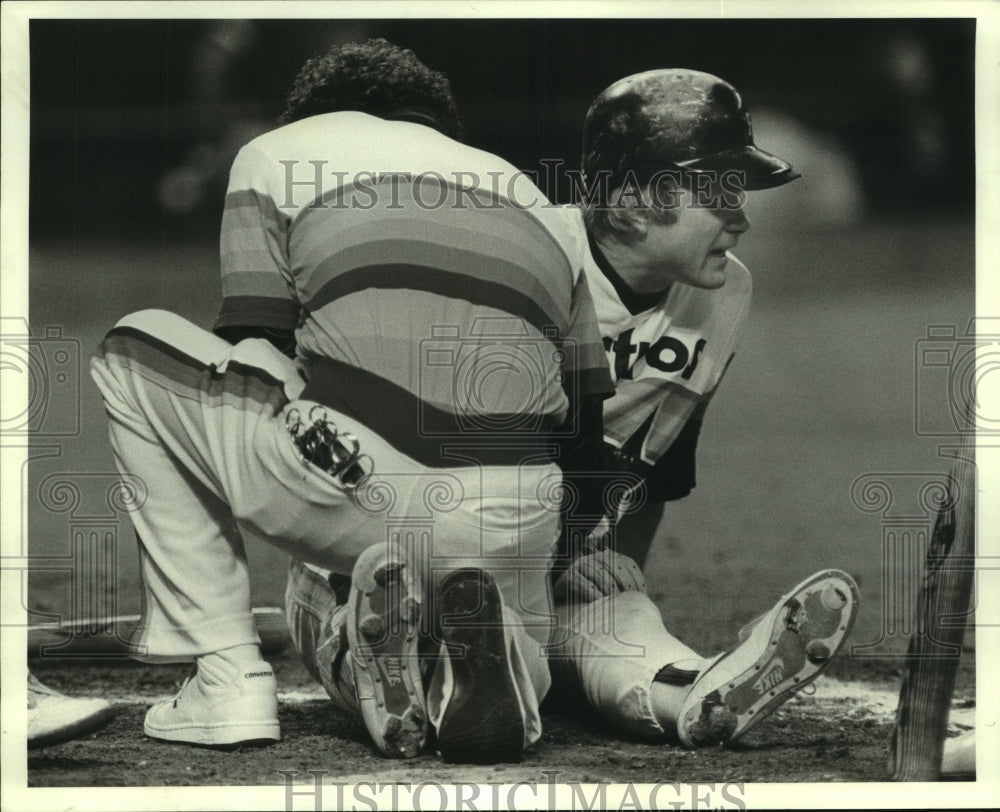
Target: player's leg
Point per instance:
(164, 396)
(644, 681)
(777, 655)
(182, 405)
(483, 695)
(489, 682)
(186, 539)
(360, 641)
(432, 524)
(496, 619)
(636, 530)
(629, 668)
(491, 557)
(317, 625)
(443, 520)
(193, 418)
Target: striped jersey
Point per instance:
(666, 363)
(436, 296)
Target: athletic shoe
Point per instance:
(778, 654)
(54, 717)
(384, 611)
(219, 705)
(483, 720)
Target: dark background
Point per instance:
(134, 123)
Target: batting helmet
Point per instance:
(675, 119)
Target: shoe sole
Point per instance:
(73, 726)
(384, 611)
(783, 652)
(222, 734)
(483, 722)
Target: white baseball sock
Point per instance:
(235, 657)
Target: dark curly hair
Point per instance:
(376, 77)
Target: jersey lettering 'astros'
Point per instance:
(666, 362)
(435, 295)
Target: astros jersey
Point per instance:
(666, 363)
(436, 296)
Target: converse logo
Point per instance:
(771, 677)
(253, 674)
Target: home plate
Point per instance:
(863, 701)
(857, 699)
(288, 697)
(307, 695)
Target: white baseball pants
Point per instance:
(202, 424)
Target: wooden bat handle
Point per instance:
(935, 649)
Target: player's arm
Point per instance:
(597, 567)
(672, 477)
(588, 567)
(587, 383)
(258, 298)
(581, 458)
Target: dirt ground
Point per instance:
(840, 734)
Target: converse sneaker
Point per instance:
(778, 654)
(219, 706)
(383, 620)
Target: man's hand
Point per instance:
(597, 574)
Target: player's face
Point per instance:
(693, 249)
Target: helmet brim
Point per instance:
(760, 170)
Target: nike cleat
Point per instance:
(778, 654)
(384, 612)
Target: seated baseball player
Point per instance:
(441, 328)
(668, 156)
(614, 646)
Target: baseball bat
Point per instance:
(108, 638)
(933, 655)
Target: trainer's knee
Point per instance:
(150, 321)
(172, 330)
(120, 403)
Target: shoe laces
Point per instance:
(180, 686)
(338, 453)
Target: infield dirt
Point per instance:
(839, 734)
